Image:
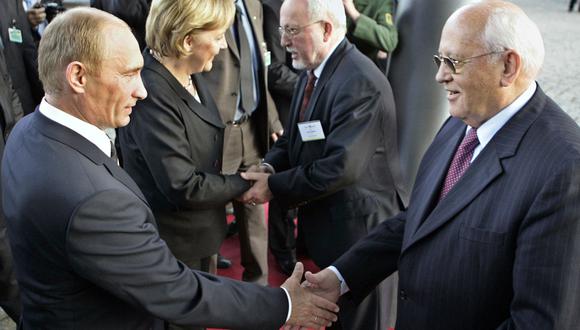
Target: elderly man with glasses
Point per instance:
(338, 160)
(491, 237)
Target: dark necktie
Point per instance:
(114, 153)
(248, 103)
(461, 161)
(307, 94)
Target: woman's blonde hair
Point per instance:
(170, 21)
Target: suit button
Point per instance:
(215, 137)
(234, 94)
(403, 294)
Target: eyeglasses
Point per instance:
(456, 65)
(292, 31)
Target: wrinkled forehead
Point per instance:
(294, 12)
(462, 32)
(121, 47)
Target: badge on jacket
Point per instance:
(311, 131)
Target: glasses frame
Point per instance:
(294, 30)
(456, 65)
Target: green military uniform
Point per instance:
(374, 30)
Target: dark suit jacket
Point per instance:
(86, 248)
(282, 78)
(10, 112)
(172, 148)
(501, 251)
(224, 80)
(348, 182)
(21, 57)
(133, 12)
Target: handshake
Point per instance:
(313, 301)
(259, 193)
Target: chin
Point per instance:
(123, 122)
(298, 65)
(208, 67)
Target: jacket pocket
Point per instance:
(481, 235)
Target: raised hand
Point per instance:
(324, 283)
(308, 309)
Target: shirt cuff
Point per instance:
(289, 304)
(343, 287)
(269, 168)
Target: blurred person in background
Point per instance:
(133, 12)
(10, 112)
(20, 52)
(371, 28)
(239, 85)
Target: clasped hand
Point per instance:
(313, 306)
(260, 192)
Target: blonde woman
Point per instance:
(173, 146)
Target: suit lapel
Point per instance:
(326, 74)
(70, 138)
(426, 192)
(482, 172)
(208, 113)
(232, 44)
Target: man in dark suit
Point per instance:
(10, 112)
(20, 52)
(491, 237)
(239, 86)
(133, 12)
(338, 161)
(86, 249)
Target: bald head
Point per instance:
(501, 25)
(76, 35)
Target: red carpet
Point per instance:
(231, 250)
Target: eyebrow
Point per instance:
(133, 69)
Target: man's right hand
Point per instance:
(36, 15)
(324, 283)
(308, 309)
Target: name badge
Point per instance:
(15, 35)
(311, 131)
(267, 58)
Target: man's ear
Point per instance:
(512, 68)
(76, 76)
(328, 29)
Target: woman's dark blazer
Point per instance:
(172, 148)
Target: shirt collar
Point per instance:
(488, 129)
(318, 70)
(90, 132)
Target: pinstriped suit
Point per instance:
(502, 250)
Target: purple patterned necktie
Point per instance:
(461, 161)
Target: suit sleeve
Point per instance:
(373, 258)
(352, 137)
(378, 31)
(159, 131)
(113, 245)
(547, 258)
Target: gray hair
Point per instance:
(513, 29)
(328, 9)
